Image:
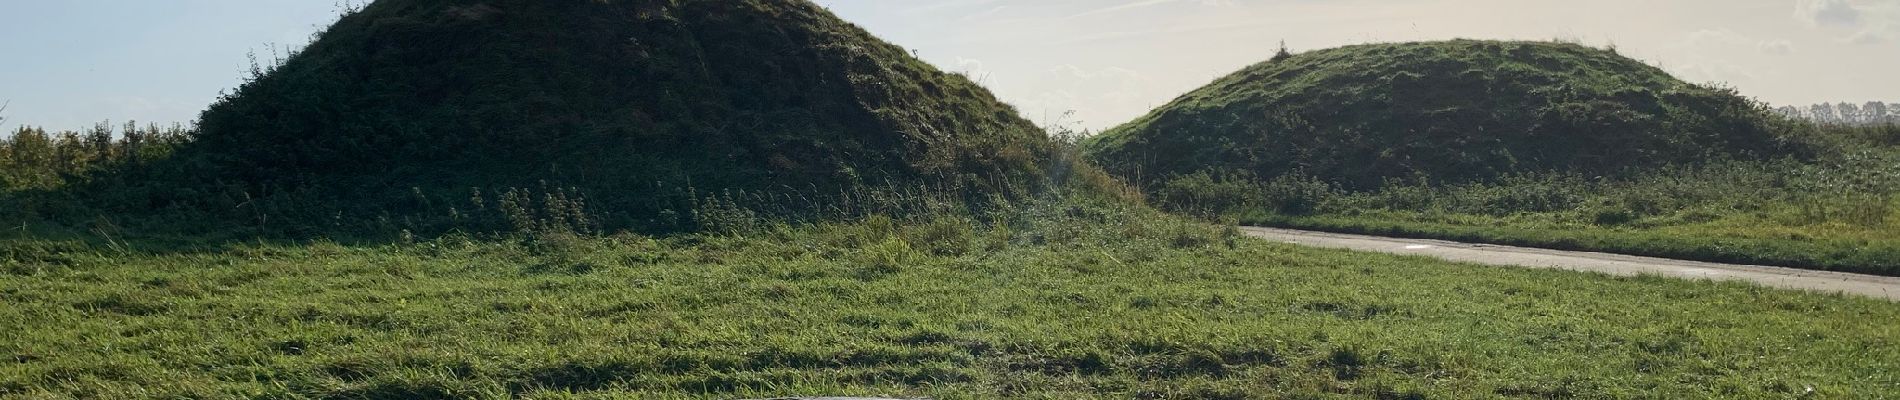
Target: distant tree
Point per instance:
(1823, 113)
(97, 145)
(1850, 113)
(134, 142)
(30, 147)
(1844, 113)
(1788, 110)
(99, 142)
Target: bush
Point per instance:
(1209, 194)
(1297, 194)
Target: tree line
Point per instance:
(1844, 113)
(34, 158)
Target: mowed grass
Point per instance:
(1731, 237)
(1059, 303)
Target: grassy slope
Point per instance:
(1462, 110)
(1068, 303)
(634, 102)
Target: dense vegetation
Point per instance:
(408, 108)
(1456, 111)
(1072, 299)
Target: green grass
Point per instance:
(1049, 302)
(1841, 214)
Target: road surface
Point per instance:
(1614, 264)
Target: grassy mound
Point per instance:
(634, 103)
(1443, 111)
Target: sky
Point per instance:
(1084, 64)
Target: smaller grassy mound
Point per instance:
(1456, 111)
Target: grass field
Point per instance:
(1841, 214)
(1050, 302)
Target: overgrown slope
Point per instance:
(633, 102)
(1460, 110)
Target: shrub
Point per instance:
(1211, 194)
(1297, 194)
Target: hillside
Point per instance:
(625, 101)
(1462, 110)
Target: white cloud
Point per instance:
(1828, 12)
(974, 69)
(1871, 36)
(1726, 74)
(1070, 70)
(1882, 24)
(985, 14)
(1869, 21)
(1707, 38)
(1076, 97)
(1776, 47)
(1053, 109)
(1717, 37)
(945, 5)
(1121, 7)
(1148, 3)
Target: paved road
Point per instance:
(1614, 264)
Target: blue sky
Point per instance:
(71, 63)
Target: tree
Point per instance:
(98, 143)
(1876, 112)
(1823, 113)
(1850, 113)
(1791, 112)
(31, 147)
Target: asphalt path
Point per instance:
(1614, 264)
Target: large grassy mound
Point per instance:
(1445, 111)
(624, 99)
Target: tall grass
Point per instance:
(71, 183)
